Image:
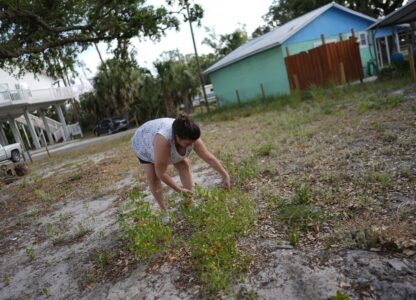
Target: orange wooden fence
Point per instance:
(330, 63)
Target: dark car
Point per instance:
(111, 125)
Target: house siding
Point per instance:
(265, 68)
(269, 68)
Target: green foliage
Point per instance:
(217, 223)
(298, 213)
(226, 43)
(293, 237)
(242, 171)
(143, 229)
(397, 70)
(35, 35)
(210, 229)
(265, 149)
(379, 102)
(6, 280)
(30, 252)
(339, 296)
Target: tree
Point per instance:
(226, 43)
(116, 86)
(33, 34)
(149, 105)
(282, 11)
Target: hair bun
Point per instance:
(184, 117)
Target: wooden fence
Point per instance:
(332, 63)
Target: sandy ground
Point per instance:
(49, 244)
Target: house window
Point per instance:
(363, 39)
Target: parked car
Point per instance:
(111, 125)
(11, 152)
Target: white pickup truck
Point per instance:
(12, 152)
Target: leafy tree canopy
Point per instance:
(225, 43)
(38, 36)
(282, 11)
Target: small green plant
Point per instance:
(406, 172)
(217, 224)
(293, 237)
(6, 280)
(30, 254)
(265, 149)
(75, 177)
(339, 296)
(241, 172)
(144, 229)
(103, 258)
(302, 194)
(42, 195)
(389, 137)
(210, 230)
(82, 230)
(45, 292)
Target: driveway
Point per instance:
(78, 144)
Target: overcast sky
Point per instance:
(224, 16)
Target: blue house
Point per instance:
(258, 66)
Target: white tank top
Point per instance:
(143, 140)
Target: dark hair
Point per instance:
(185, 128)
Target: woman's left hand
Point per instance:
(226, 182)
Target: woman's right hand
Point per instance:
(185, 192)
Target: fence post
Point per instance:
(238, 97)
(287, 51)
(297, 87)
(323, 39)
(340, 37)
(353, 32)
(342, 72)
(262, 91)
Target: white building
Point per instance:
(19, 97)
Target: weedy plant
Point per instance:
(264, 150)
(143, 228)
(211, 227)
(242, 171)
(298, 213)
(339, 296)
(218, 222)
(30, 254)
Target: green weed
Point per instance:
(297, 213)
(45, 292)
(389, 137)
(143, 229)
(217, 223)
(42, 195)
(6, 280)
(210, 229)
(30, 254)
(293, 237)
(265, 149)
(103, 258)
(339, 296)
(242, 171)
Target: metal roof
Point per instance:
(277, 36)
(404, 14)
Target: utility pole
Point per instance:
(201, 79)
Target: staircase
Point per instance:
(54, 126)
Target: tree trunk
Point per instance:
(170, 106)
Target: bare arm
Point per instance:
(211, 160)
(162, 150)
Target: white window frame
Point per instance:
(361, 35)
